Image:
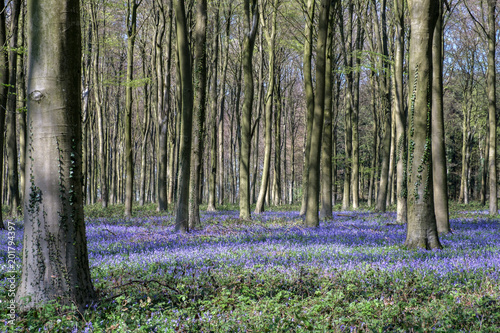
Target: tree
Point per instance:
(200, 68)
(309, 92)
(270, 38)
(401, 161)
(131, 35)
(421, 229)
(440, 179)
(312, 219)
(55, 257)
(251, 15)
(492, 102)
(186, 82)
(11, 134)
(4, 79)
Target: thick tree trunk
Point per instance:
(492, 120)
(4, 80)
(251, 13)
(55, 257)
(182, 215)
(312, 210)
(13, 175)
(440, 179)
(421, 228)
(200, 79)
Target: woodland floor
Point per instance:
(273, 275)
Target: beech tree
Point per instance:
(421, 227)
(55, 258)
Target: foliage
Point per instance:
(273, 275)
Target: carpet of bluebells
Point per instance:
(272, 274)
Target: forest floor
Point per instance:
(351, 274)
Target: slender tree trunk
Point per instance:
(309, 92)
(312, 209)
(326, 145)
(492, 120)
(277, 139)
(131, 33)
(251, 13)
(421, 229)
(21, 106)
(440, 179)
(200, 79)
(212, 193)
(386, 109)
(259, 208)
(401, 154)
(55, 257)
(182, 215)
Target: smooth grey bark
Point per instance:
(421, 227)
(492, 118)
(312, 210)
(383, 81)
(326, 145)
(11, 144)
(251, 14)
(399, 111)
(270, 38)
(4, 79)
(309, 92)
(212, 177)
(440, 179)
(21, 105)
(182, 215)
(55, 257)
(131, 35)
(199, 108)
(162, 99)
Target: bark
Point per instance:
(401, 159)
(200, 79)
(251, 13)
(440, 179)
(270, 38)
(212, 193)
(492, 120)
(309, 92)
(55, 257)
(421, 228)
(277, 139)
(326, 145)
(131, 34)
(182, 215)
(312, 209)
(11, 144)
(386, 108)
(4, 79)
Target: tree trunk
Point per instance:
(4, 80)
(309, 92)
(131, 33)
(182, 215)
(55, 258)
(312, 209)
(259, 208)
(251, 13)
(440, 179)
(200, 79)
(421, 229)
(492, 120)
(11, 144)
(401, 154)
(21, 106)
